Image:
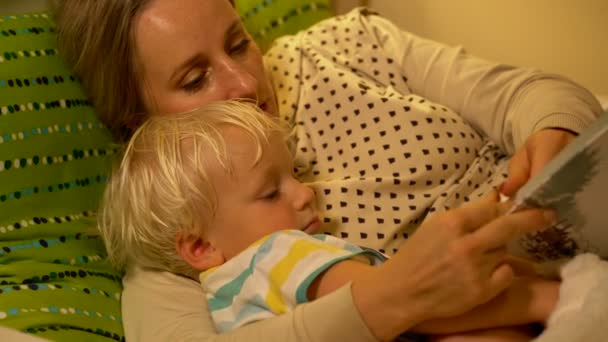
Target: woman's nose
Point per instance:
(239, 82)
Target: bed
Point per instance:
(54, 157)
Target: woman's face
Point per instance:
(193, 52)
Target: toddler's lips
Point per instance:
(313, 226)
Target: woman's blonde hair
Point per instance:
(161, 189)
(96, 38)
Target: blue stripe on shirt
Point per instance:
(224, 296)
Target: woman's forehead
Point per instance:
(183, 17)
(168, 32)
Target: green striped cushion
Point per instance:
(267, 20)
(54, 160)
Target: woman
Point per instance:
(387, 132)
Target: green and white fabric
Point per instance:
(54, 161)
(55, 156)
(267, 20)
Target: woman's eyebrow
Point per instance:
(233, 29)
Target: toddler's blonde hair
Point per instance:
(161, 188)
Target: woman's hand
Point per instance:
(454, 262)
(527, 300)
(538, 150)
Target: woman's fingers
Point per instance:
(500, 279)
(465, 248)
(519, 172)
(521, 266)
(497, 233)
(491, 259)
(474, 215)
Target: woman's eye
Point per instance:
(241, 46)
(194, 83)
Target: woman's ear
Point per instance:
(198, 252)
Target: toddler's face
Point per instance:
(256, 200)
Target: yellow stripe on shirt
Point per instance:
(280, 272)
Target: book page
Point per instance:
(575, 185)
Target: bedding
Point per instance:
(581, 313)
(54, 159)
(55, 156)
(603, 101)
(267, 20)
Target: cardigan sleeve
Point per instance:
(160, 306)
(505, 103)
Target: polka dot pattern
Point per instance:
(42, 243)
(14, 55)
(57, 287)
(379, 157)
(66, 328)
(60, 274)
(36, 221)
(65, 128)
(26, 30)
(36, 81)
(24, 16)
(256, 9)
(74, 155)
(276, 23)
(65, 186)
(266, 20)
(40, 106)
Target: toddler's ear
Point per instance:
(198, 252)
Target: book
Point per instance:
(575, 185)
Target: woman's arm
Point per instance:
(526, 300)
(452, 264)
(160, 306)
(506, 103)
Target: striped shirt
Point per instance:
(273, 275)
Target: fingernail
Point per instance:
(550, 216)
(501, 187)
